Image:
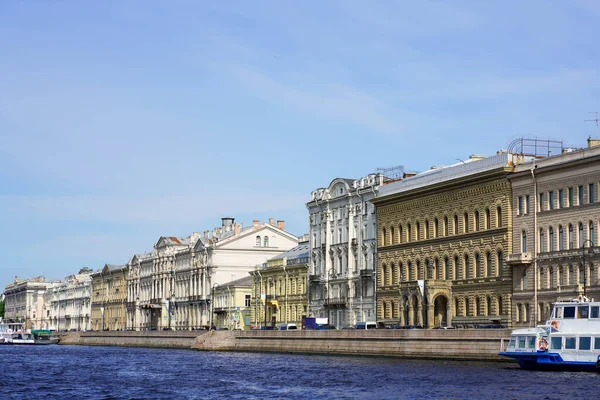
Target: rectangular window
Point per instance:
(569, 313)
(591, 194)
(541, 206)
(580, 195)
(561, 198)
(555, 342)
(551, 200)
(570, 343)
(527, 204)
(594, 312)
(247, 300)
(585, 343)
(531, 342)
(520, 209)
(583, 312)
(571, 197)
(597, 343)
(512, 343)
(522, 342)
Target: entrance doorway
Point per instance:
(440, 311)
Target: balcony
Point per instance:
(367, 272)
(519, 258)
(336, 301)
(575, 288)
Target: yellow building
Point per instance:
(443, 236)
(233, 304)
(280, 289)
(109, 297)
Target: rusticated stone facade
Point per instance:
(556, 221)
(442, 239)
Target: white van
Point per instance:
(288, 327)
(365, 325)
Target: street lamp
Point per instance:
(583, 252)
(212, 304)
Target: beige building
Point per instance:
(556, 218)
(26, 302)
(279, 288)
(232, 304)
(443, 237)
(109, 296)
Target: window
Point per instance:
(591, 194)
(541, 206)
(526, 204)
(258, 241)
(551, 200)
(436, 227)
(524, 280)
(488, 261)
(571, 197)
(581, 237)
(476, 222)
(524, 242)
(478, 270)
(247, 300)
(571, 237)
(426, 229)
(448, 268)
(456, 267)
(393, 235)
(570, 343)
(445, 226)
(455, 227)
(498, 217)
(531, 342)
(384, 234)
(467, 267)
(569, 313)
(592, 238)
(466, 223)
(580, 195)
(266, 241)
(520, 208)
(561, 198)
(500, 263)
(400, 234)
(594, 313)
(551, 237)
(561, 238)
(597, 343)
(409, 233)
(418, 232)
(555, 342)
(488, 221)
(542, 241)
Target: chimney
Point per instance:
(227, 223)
(255, 222)
(238, 229)
(206, 234)
(272, 221)
(281, 225)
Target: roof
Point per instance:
(173, 240)
(300, 251)
(114, 267)
(245, 281)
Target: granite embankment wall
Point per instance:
(436, 344)
(467, 344)
(174, 339)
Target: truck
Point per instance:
(314, 323)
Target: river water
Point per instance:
(80, 372)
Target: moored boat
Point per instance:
(570, 339)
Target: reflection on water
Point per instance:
(62, 372)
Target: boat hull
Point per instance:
(547, 361)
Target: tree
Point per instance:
(2, 309)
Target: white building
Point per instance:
(172, 286)
(343, 250)
(26, 302)
(69, 303)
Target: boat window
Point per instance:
(585, 343)
(522, 342)
(531, 342)
(513, 342)
(583, 312)
(558, 312)
(597, 343)
(570, 343)
(556, 342)
(594, 312)
(569, 312)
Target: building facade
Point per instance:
(443, 237)
(25, 302)
(109, 297)
(343, 250)
(233, 304)
(556, 216)
(280, 288)
(69, 305)
(172, 287)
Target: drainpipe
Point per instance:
(286, 294)
(535, 239)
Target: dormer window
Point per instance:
(258, 241)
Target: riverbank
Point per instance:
(458, 344)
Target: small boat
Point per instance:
(570, 339)
(22, 337)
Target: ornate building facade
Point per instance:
(556, 251)
(109, 297)
(343, 228)
(279, 288)
(69, 304)
(173, 286)
(442, 239)
(25, 301)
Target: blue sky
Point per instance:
(121, 121)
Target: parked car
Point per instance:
(366, 325)
(325, 327)
(288, 327)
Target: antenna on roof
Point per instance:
(596, 120)
(392, 173)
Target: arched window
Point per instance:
(455, 226)
(466, 223)
(561, 276)
(523, 242)
(500, 311)
(467, 307)
(561, 238)
(488, 261)
(542, 241)
(420, 270)
(571, 275)
(488, 305)
(393, 273)
(436, 227)
(426, 229)
(467, 267)
(393, 236)
(592, 237)
(500, 263)
(383, 238)
(457, 268)
(418, 232)
(478, 270)
(524, 279)
(476, 222)
(476, 306)
(409, 233)
(411, 271)
(448, 267)
(258, 241)
(385, 275)
(551, 238)
(571, 237)
(488, 218)
(384, 309)
(266, 241)
(400, 234)
(440, 271)
(581, 235)
(498, 217)
(401, 274)
(551, 273)
(445, 226)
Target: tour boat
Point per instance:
(570, 339)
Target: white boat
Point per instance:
(22, 337)
(570, 339)
(13, 333)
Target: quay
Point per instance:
(457, 344)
